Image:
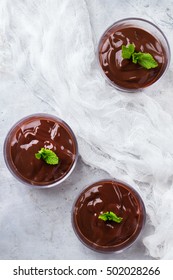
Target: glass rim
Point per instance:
(142, 20)
(114, 248)
(24, 180)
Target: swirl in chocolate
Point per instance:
(108, 196)
(123, 72)
(28, 137)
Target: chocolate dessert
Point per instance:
(146, 38)
(97, 201)
(32, 135)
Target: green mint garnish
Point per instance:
(110, 216)
(48, 156)
(146, 60)
(128, 51)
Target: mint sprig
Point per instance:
(128, 51)
(146, 60)
(110, 216)
(48, 156)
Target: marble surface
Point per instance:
(32, 223)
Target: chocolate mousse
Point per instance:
(102, 197)
(29, 136)
(123, 73)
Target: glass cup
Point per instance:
(101, 199)
(27, 137)
(125, 74)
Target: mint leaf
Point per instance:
(146, 60)
(48, 156)
(136, 56)
(128, 51)
(110, 216)
(38, 155)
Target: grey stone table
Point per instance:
(36, 224)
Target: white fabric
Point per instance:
(52, 46)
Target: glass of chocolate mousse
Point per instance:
(41, 150)
(108, 216)
(133, 53)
